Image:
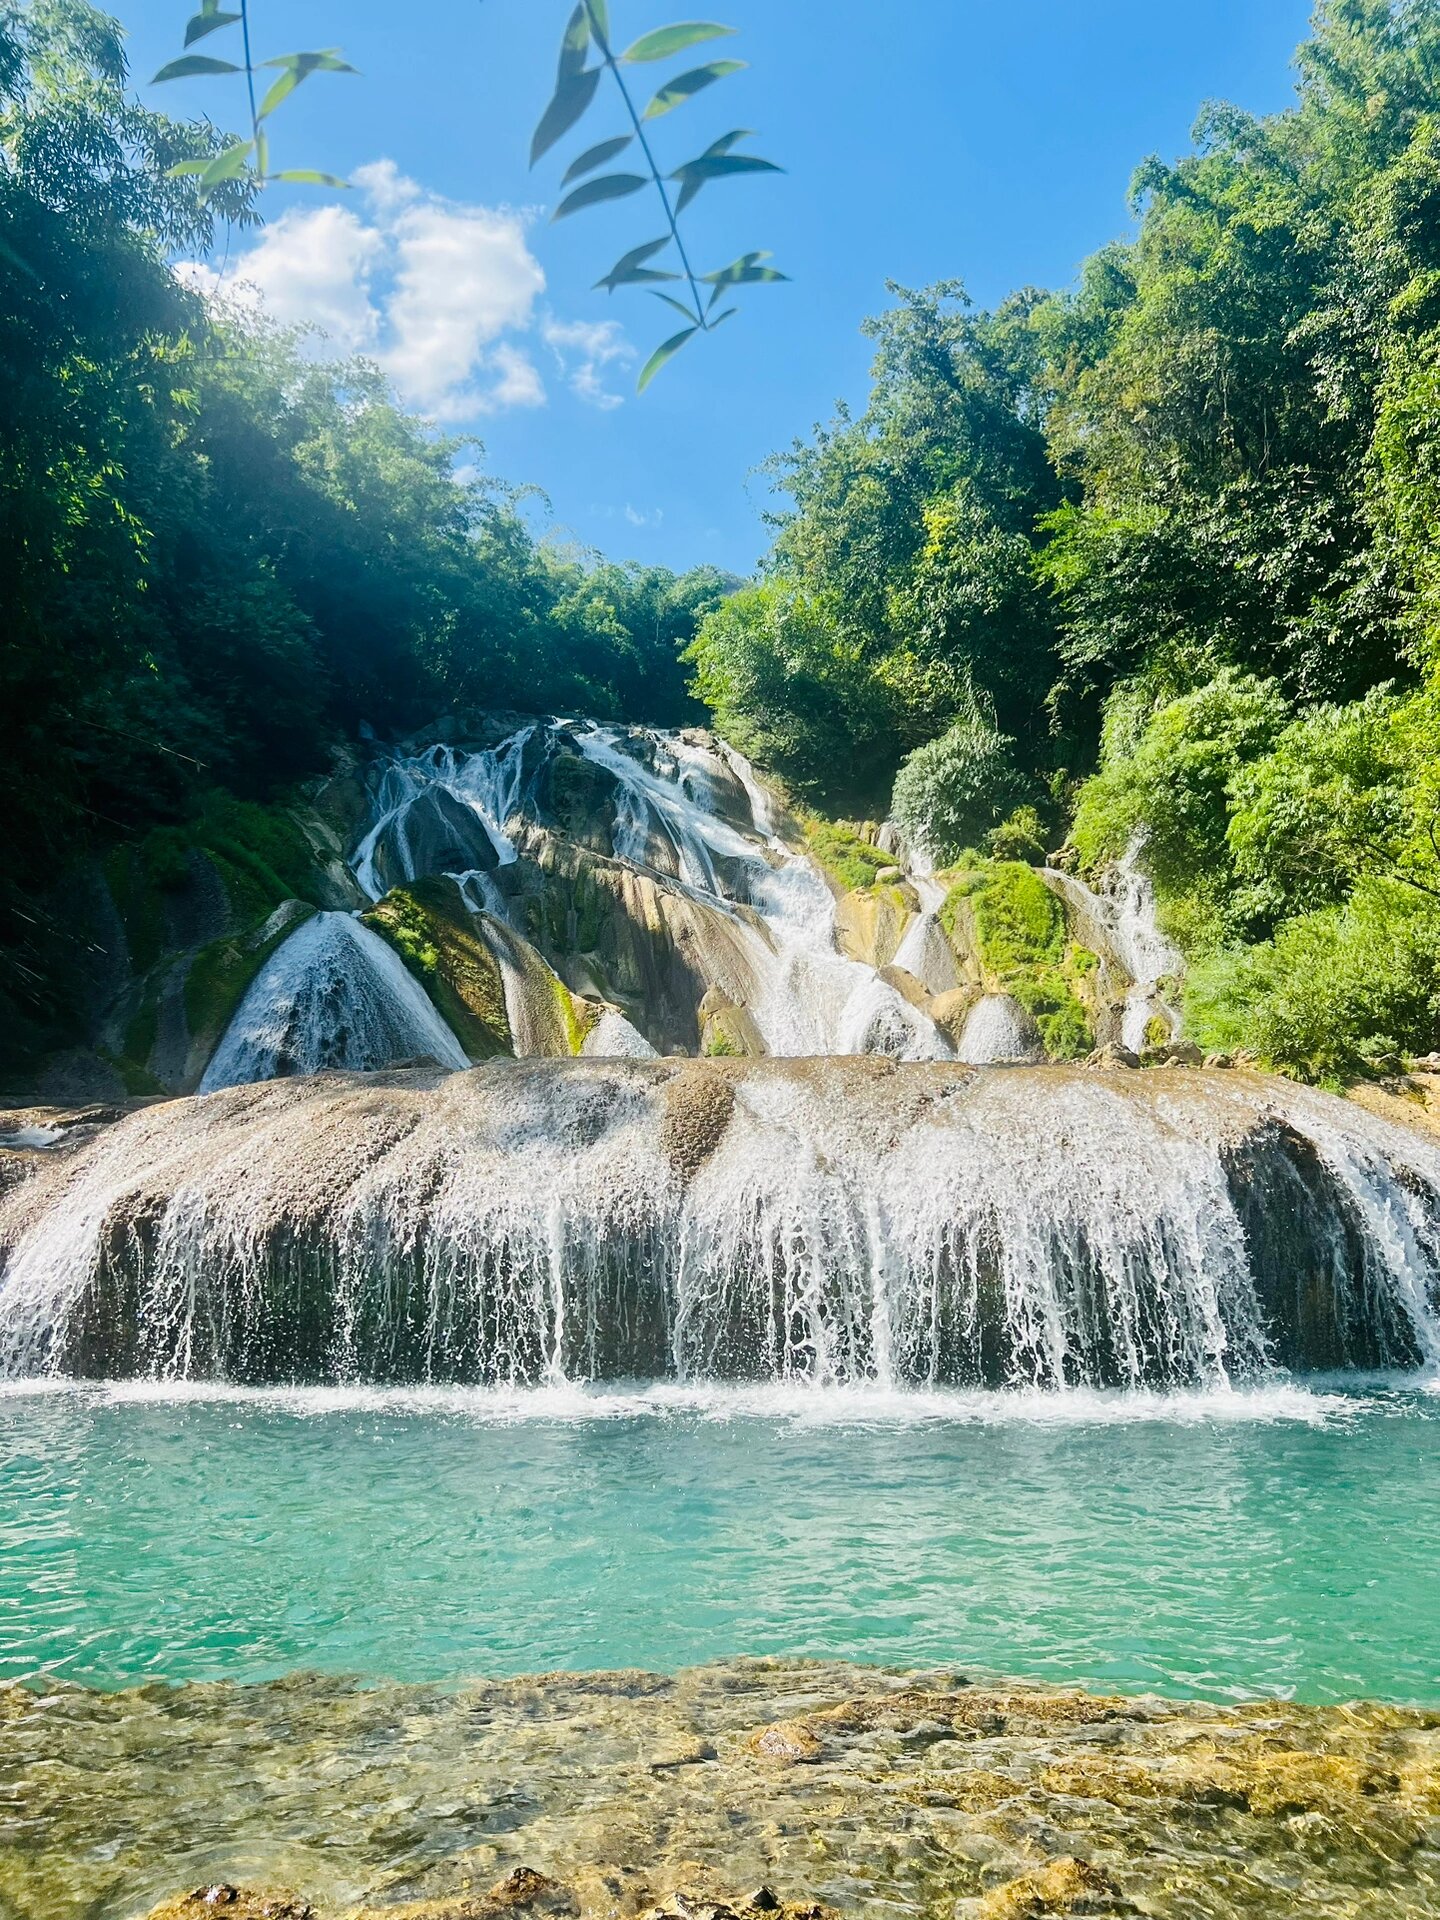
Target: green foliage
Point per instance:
(247, 160)
(577, 84)
(220, 554)
(1336, 994)
(1019, 923)
(852, 863)
(1020, 934)
(1022, 837)
(949, 792)
(1172, 788)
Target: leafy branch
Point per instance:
(577, 83)
(248, 157)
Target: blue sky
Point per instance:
(923, 139)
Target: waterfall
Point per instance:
(333, 995)
(771, 1221)
(1122, 922)
(669, 822)
(997, 1030)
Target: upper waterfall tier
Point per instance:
(821, 1220)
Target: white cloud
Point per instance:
(433, 290)
(583, 349)
(639, 519)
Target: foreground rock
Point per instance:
(920, 1795)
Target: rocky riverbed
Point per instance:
(728, 1790)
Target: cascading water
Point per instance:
(1123, 920)
(333, 995)
(819, 1221)
(808, 998)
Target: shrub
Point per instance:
(1021, 837)
(951, 790)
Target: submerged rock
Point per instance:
(532, 1796)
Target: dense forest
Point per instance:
(1152, 562)
(221, 553)
(1159, 558)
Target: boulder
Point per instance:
(435, 834)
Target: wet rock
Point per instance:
(1219, 1062)
(1065, 1886)
(787, 1742)
(950, 1011)
(524, 1891)
(687, 1752)
(1113, 1055)
(223, 1902)
(1173, 1053)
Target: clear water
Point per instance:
(1287, 1541)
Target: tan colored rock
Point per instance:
(907, 986)
(1060, 1886)
(869, 926)
(951, 1010)
(224, 1902)
(786, 1741)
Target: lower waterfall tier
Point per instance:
(824, 1220)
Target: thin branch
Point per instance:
(250, 76)
(598, 35)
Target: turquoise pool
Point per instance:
(1283, 1542)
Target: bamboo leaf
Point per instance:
(678, 305)
(747, 271)
(610, 186)
(193, 65)
(686, 85)
(630, 263)
(596, 157)
(308, 177)
(572, 97)
(229, 165)
(665, 41)
(661, 354)
(729, 314)
(575, 47)
(208, 20)
(696, 174)
(600, 18)
(327, 60)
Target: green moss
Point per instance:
(220, 974)
(719, 1045)
(138, 1079)
(431, 929)
(137, 901)
(852, 863)
(577, 1017)
(1023, 944)
(141, 1033)
(1019, 923)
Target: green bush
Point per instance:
(950, 791)
(1021, 837)
(1336, 994)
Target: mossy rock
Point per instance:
(431, 928)
(850, 861)
(220, 974)
(1016, 928)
